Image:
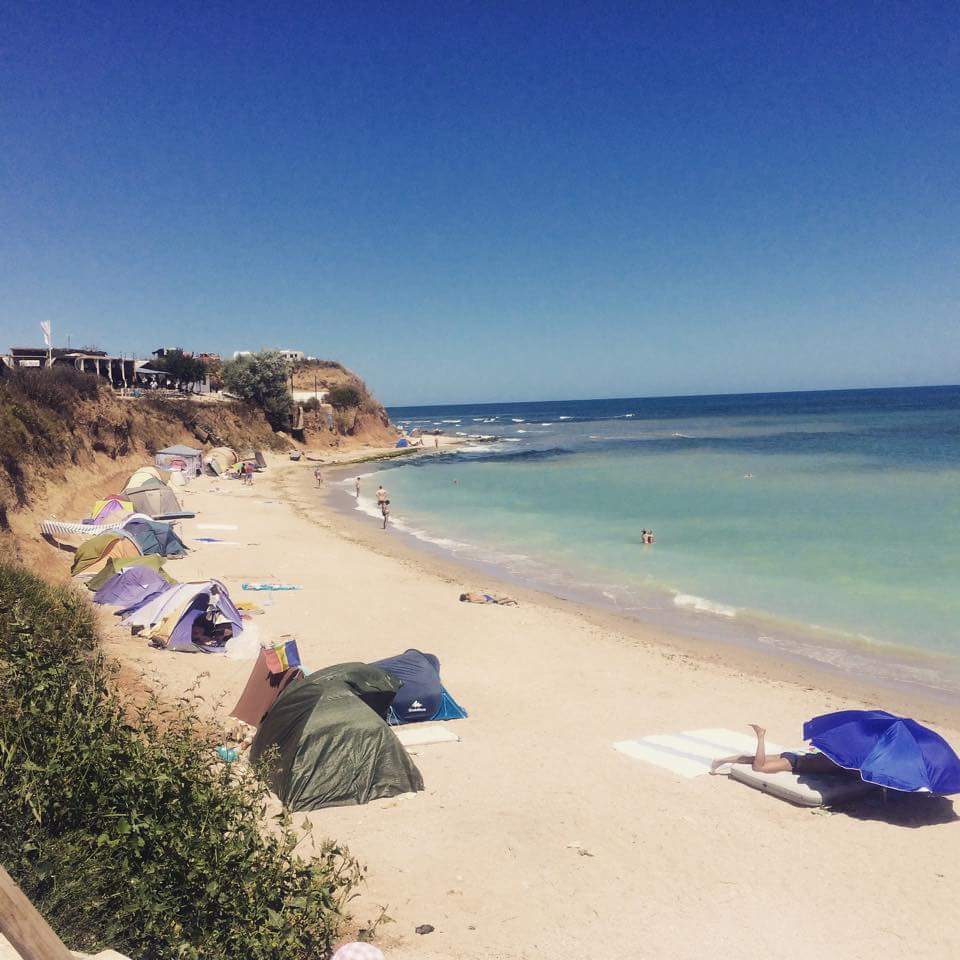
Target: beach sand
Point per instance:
(534, 838)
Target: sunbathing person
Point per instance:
(787, 762)
(487, 598)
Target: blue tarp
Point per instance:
(890, 751)
(422, 696)
(132, 586)
(403, 442)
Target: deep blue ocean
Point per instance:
(821, 524)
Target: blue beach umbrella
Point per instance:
(889, 751)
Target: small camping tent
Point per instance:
(110, 509)
(153, 536)
(92, 554)
(403, 442)
(141, 475)
(333, 745)
(155, 499)
(422, 696)
(168, 619)
(116, 564)
(131, 587)
(220, 459)
(181, 458)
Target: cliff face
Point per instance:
(349, 414)
(59, 424)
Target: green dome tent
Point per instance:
(334, 745)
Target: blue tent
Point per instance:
(154, 536)
(132, 586)
(422, 696)
(403, 442)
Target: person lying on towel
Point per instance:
(487, 598)
(788, 762)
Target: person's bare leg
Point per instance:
(762, 763)
(759, 761)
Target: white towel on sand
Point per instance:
(691, 753)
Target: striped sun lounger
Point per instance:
(66, 528)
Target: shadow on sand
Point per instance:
(900, 809)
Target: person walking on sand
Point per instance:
(787, 762)
(385, 510)
(318, 476)
(248, 473)
(436, 442)
(358, 488)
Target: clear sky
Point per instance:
(492, 201)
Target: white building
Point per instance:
(291, 356)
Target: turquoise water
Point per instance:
(825, 519)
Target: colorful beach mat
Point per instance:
(691, 753)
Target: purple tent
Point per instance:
(131, 587)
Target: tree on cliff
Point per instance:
(261, 378)
(184, 369)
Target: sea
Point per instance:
(819, 525)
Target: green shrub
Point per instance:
(262, 379)
(118, 822)
(57, 388)
(344, 397)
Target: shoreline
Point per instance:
(903, 696)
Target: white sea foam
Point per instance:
(518, 420)
(564, 418)
(521, 431)
(701, 605)
(546, 424)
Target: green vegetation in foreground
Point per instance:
(118, 823)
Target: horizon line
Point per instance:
(687, 396)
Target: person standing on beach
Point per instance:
(248, 473)
(358, 488)
(382, 496)
(318, 476)
(385, 510)
(436, 442)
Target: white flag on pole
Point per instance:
(45, 327)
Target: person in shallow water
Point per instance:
(787, 762)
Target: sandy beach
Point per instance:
(534, 838)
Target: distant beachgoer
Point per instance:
(488, 598)
(643, 536)
(787, 762)
(248, 473)
(648, 537)
(382, 496)
(436, 442)
(358, 488)
(318, 476)
(385, 510)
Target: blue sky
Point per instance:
(484, 201)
